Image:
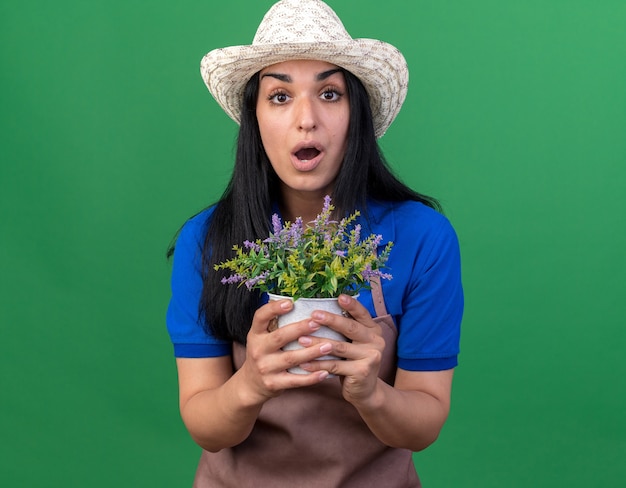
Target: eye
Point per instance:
(278, 97)
(331, 95)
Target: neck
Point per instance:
(301, 204)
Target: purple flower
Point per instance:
(369, 273)
(323, 219)
(277, 227)
(342, 226)
(276, 224)
(252, 282)
(252, 245)
(326, 204)
(295, 232)
(377, 240)
(232, 279)
(268, 264)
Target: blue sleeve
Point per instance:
(183, 323)
(432, 308)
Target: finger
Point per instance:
(286, 380)
(276, 366)
(340, 349)
(356, 310)
(265, 314)
(284, 335)
(295, 357)
(360, 328)
(332, 366)
(361, 365)
(329, 346)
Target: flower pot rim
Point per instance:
(276, 296)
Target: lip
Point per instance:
(308, 165)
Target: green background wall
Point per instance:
(515, 119)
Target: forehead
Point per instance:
(300, 66)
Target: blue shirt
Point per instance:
(425, 296)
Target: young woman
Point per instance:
(311, 102)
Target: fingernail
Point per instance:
(313, 325)
(344, 299)
(322, 375)
(305, 341)
(318, 315)
(286, 304)
(324, 348)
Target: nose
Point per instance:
(306, 115)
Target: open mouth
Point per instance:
(307, 153)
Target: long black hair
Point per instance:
(244, 210)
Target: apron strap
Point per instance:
(377, 297)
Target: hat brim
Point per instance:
(380, 66)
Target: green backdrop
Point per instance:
(515, 119)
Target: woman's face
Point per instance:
(303, 114)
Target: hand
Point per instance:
(265, 367)
(363, 355)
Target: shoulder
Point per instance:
(194, 229)
(408, 209)
(190, 240)
(425, 294)
(421, 236)
(408, 220)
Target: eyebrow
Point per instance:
(287, 79)
(322, 76)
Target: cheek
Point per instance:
(265, 128)
(342, 122)
(269, 139)
(269, 126)
(341, 135)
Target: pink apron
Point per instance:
(312, 437)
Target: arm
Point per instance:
(212, 407)
(219, 407)
(409, 414)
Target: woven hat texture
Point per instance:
(309, 29)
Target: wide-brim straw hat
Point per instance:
(309, 29)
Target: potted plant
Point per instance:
(310, 264)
